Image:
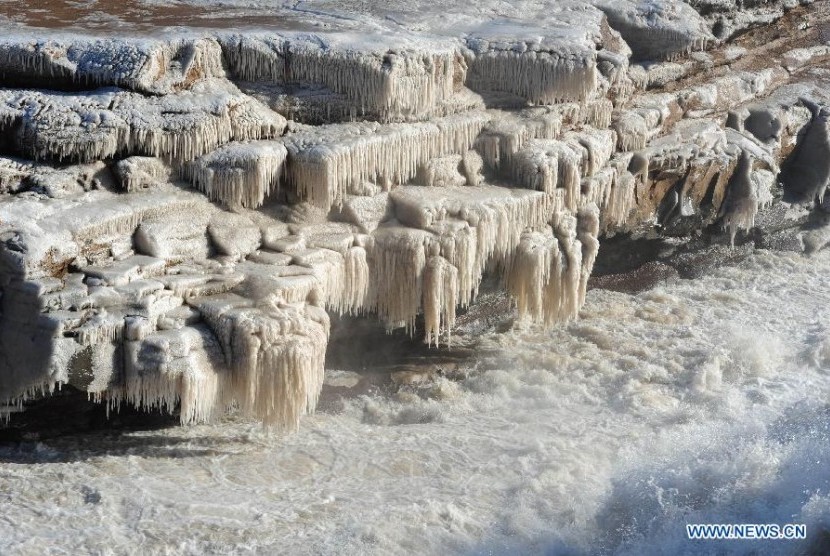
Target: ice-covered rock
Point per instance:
(170, 240)
(152, 66)
(142, 172)
(234, 235)
(324, 163)
(101, 124)
(385, 76)
(239, 174)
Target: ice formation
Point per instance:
(239, 174)
(549, 273)
(541, 77)
(152, 66)
(324, 164)
(178, 215)
(110, 122)
(141, 172)
(375, 77)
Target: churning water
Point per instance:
(698, 401)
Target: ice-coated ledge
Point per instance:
(180, 211)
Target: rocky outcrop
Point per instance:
(178, 216)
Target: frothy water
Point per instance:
(698, 401)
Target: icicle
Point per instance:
(440, 299)
(239, 174)
(538, 76)
(397, 262)
(587, 231)
(355, 295)
(468, 228)
(154, 390)
(472, 165)
(473, 226)
(256, 58)
(279, 367)
(548, 273)
(594, 112)
(275, 352)
(390, 84)
(99, 329)
(330, 270)
(507, 134)
(545, 165)
(465, 251)
(613, 191)
(200, 394)
(327, 163)
(536, 259)
(568, 302)
(597, 189)
(748, 190)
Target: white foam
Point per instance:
(699, 401)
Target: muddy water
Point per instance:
(112, 16)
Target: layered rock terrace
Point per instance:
(181, 211)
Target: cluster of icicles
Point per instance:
(271, 350)
(324, 167)
(239, 174)
(85, 128)
(541, 77)
(260, 344)
(263, 353)
(267, 361)
(396, 85)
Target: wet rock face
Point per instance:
(181, 217)
(806, 172)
